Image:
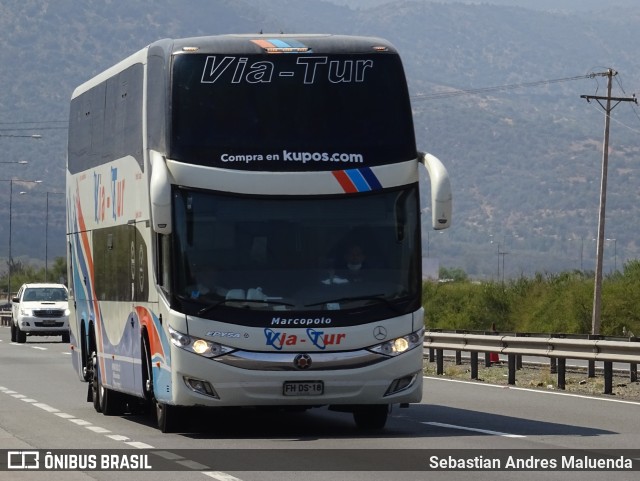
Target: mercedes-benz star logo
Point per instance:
(302, 361)
(379, 333)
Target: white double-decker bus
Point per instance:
(244, 228)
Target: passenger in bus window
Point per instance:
(354, 261)
(205, 280)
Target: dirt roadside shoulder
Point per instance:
(539, 376)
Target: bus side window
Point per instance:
(164, 263)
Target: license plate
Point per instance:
(48, 322)
(303, 388)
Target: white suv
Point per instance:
(40, 310)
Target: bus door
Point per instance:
(115, 265)
(139, 282)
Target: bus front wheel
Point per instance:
(167, 415)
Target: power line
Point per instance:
(31, 128)
(22, 126)
(35, 122)
(633, 105)
(619, 122)
(456, 93)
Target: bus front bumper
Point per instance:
(268, 379)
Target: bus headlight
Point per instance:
(200, 346)
(400, 344)
(197, 345)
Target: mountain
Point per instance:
(547, 5)
(495, 88)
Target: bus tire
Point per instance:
(147, 377)
(95, 381)
(105, 400)
(371, 416)
(84, 358)
(112, 402)
(168, 417)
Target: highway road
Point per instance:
(43, 407)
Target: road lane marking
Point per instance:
(80, 422)
(475, 430)
(65, 415)
(220, 476)
(187, 463)
(46, 407)
(537, 391)
(97, 429)
(193, 465)
(169, 455)
(139, 445)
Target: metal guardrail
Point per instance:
(557, 347)
(5, 317)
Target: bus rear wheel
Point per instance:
(95, 381)
(105, 400)
(371, 417)
(111, 402)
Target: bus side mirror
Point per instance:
(160, 193)
(441, 197)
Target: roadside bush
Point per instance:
(551, 303)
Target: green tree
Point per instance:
(58, 271)
(545, 303)
(22, 273)
(455, 274)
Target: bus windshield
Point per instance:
(275, 254)
(261, 112)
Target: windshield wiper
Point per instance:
(372, 297)
(211, 307)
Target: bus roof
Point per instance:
(256, 43)
(245, 44)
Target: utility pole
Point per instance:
(501, 253)
(597, 294)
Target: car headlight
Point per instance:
(26, 312)
(197, 345)
(399, 345)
